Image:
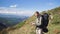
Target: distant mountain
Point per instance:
(10, 20)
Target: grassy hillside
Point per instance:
(54, 25)
(27, 28)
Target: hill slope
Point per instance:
(27, 28)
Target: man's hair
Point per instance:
(37, 12)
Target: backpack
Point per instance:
(45, 16)
(45, 20)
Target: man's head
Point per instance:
(37, 13)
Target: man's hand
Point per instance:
(33, 23)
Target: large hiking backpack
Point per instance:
(45, 20)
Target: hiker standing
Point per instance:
(38, 23)
(41, 22)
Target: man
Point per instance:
(41, 22)
(38, 23)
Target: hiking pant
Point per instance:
(39, 31)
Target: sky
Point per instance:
(27, 7)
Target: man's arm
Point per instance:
(40, 20)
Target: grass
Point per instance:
(53, 29)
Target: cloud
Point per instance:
(27, 13)
(13, 6)
(23, 13)
(7, 12)
(17, 12)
